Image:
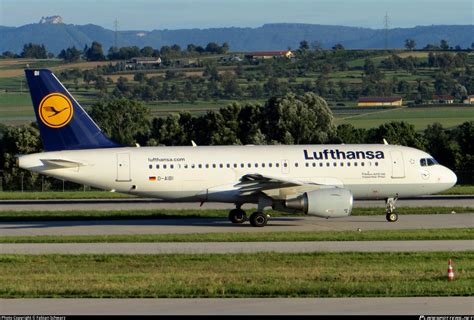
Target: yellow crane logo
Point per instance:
(55, 110)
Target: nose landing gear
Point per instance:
(391, 215)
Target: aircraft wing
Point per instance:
(254, 183)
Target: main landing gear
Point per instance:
(257, 219)
(391, 215)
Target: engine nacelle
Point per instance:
(325, 203)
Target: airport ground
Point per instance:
(296, 277)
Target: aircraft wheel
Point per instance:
(258, 219)
(391, 216)
(237, 216)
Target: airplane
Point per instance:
(317, 180)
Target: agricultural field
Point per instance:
(419, 117)
(15, 104)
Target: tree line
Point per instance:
(291, 119)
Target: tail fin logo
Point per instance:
(55, 110)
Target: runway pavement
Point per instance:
(237, 247)
(154, 204)
(248, 306)
(213, 225)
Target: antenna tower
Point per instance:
(386, 26)
(115, 33)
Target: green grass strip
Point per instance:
(370, 235)
(380, 274)
(168, 214)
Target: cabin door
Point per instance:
(123, 167)
(398, 167)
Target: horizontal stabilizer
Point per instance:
(62, 163)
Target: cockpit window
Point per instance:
(428, 162)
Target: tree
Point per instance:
(444, 44)
(338, 47)
(298, 119)
(95, 52)
(347, 133)
(146, 51)
(34, 51)
(397, 132)
(438, 144)
(101, 84)
(121, 119)
(70, 54)
(16, 141)
(304, 45)
(410, 44)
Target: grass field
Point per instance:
(419, 117)
(371, 235)
(167, 214)
(235, 275)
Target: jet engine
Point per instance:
(325, 203)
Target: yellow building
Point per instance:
(379, 101)
(271, 54)
(469, 99)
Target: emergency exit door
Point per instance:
(123, 167)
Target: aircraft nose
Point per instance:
(450, 177)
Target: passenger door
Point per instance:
(123, 167)
(398, 166)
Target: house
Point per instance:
(144, 62)
(379, 101)
(270, 54)
(446, 99)
(469, 99)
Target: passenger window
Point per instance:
(307, 164)
(342, 164)
(150, 166)
(200, 166)
(164, 166)
(327, 164)
(256, 165)
(355, 164)
(185, 166)
(320, 164)
(249, 165)
(221, 165)
(270, 165)
(334, 164)
(214, 165)
(285, 164)
(277, 165)
(171, 166)
(193, 166)
(314, 164)
(242, 165)
(348, 164)
(296, 164)
(362, 164)
(376, 164)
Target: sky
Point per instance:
(180, 14)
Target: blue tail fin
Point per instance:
(63, 124)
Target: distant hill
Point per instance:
(274, 36)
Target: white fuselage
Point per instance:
(211, 173)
